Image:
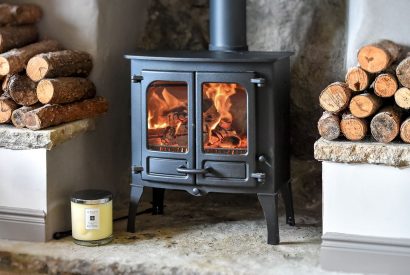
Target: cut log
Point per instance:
(51, 115)
(377, 57)
(353, 128)
(385, 126)
(15, 61)
(16, 37)
(403, 72)
(64, 90)
(329, 126)
(405, 131)
(57, 64)
(358, 79)
(7, 106)
(17, 117)
(364, 105)
(402, 98)
(335, 97)
(385, 85)
(22, 90)
(23, 14)
(5, 82)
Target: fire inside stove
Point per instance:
(224, 117)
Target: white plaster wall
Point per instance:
(23, 181)
(372, 20)
(366, 199)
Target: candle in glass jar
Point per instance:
(91, 217)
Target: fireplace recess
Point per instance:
(212, 121)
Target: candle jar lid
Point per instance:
(91, 196)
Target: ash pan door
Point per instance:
(225, 114)
(167, 113)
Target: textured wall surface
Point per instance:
(314, 29)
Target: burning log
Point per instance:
(385, 85)
(385, 126)
(403, 72)
(22, 89)
(17, 117)
(7, 106)
(353, 128)
(50, 115)
(24, 14)
(64, 90)
(57, 64)
(329, 126)
(15, 60)
(378, 57)
(358, 79)
(16, 37)
(335, 97)
(402, 98)
(364, 105)
(224, 138)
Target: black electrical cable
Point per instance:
(63, 234)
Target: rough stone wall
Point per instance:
(313, 29)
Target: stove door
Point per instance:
(167, 113)
(225, 114)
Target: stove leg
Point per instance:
(158, 201)
(136, 193)
(269, 203)
(288, 200)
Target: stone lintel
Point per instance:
(391, 154)
(25, 139)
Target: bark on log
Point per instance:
(64, 90)
(402, 98)
(329, 126)
(7, 106)
(358, 79)
(51, 115)
(353, 128)
(377, 57)
(17, 117)
(23, 14)
(15, 61)
(385, 85)
(364, 105)
(22, 90)
(16, 37)
(385, 126)
(335, 97)
(57, 64)
(405, 131)
(403, 72)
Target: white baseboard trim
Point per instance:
(22, 224)
(355, 253)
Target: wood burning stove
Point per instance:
(213, 121)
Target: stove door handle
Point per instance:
(189, 171)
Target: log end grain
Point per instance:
(7, 106)
(373, 58)
(357, 79)
(403, 72)
(329, 126)
(402, 98)
(385, 126)
(385, 85)
(364, 105)
(405, 131)
(4, 66)
(37, 68)
(45, 91)
(353, 128)
(335, 97)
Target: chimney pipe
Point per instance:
(227, 25)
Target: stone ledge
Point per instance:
(391, 154)
(25, 139)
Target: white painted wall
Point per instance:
(366, 199)
(372, 20)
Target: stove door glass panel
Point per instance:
(224, 118)
(167, 116)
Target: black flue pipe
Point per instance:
(227, 25)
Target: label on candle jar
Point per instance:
(92, 218)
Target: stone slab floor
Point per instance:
(201, 236)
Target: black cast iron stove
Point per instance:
(213, 121)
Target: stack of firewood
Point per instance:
(43, 84)
(375, 97)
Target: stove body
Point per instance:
(212, 121)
